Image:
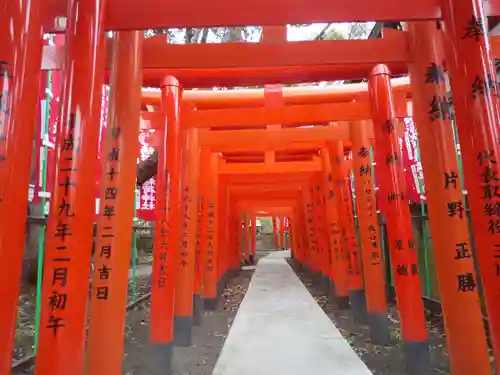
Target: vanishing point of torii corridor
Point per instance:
(176, 201)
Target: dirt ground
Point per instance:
(381, 360)
(24, 337)
(198, 359)
(207, 339)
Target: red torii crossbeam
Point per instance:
(157, 14)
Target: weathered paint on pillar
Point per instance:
(61, 345)
(403, 253)
(114, 227)
(19, 80)
(474, 84)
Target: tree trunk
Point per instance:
(147, 168)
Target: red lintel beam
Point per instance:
(275, 139)
(266, 177)
(257, 76)
(160, 55)
(256, 159)
(285, 189)
(210, 99)
(279, 208)
(285, 167)
(230, 77)
(161, 14)
(275, 195)
(267, 209)
(266, 187)
(275, 200)
(263, 201)
(278, 199)
(295, 114)
(260, 193)
(283, 207)
(301, 147)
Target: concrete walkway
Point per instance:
(280, 329)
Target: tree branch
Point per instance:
(322, 33)
(204, 35)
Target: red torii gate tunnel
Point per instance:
(223, 157)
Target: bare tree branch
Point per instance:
(323, 32)
(204, 35)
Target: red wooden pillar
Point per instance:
(448, 222)
(342, 191)
(311, 243)
(61, 346)
(369, 235)
(247, 235)
(282, 232)
(473, 81)
(225, 251)
(403, 254)
(161, 310)
(254, 239)
(319, 203)
(338, 261)
(302, 231)
(112, 256)
(211, 251)
(19, 81)
(167, 232)
(201, 242)
(185, 277)
(275, 233)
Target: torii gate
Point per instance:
(468, 57)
